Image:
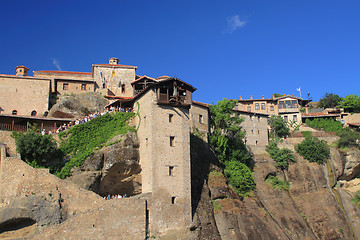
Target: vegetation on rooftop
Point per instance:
(227, 140)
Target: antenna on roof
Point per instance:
(299, 90)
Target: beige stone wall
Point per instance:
(73, 87)
(157, 157)
(122, 76)
(352, 118)
(199, 119)
(5, 137)
(256, 128)
(24, 94)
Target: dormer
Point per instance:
(173, 91)
(114, 61)
(21, 71)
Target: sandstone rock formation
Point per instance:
(113, 169)
(76, 106)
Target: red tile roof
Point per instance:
(143, 77)
(119, 97)
(200, 104)
(319, 114)
(63, 72)
(256, 113)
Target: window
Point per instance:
(257, 107)
(172, 141)
(14, 112)
(171, 117)
(201, 120)
(33, 113)
(263, 106)
(259, 118)
(122, 88)
(271, 108)
(286, 118)
(249, 109)
(83, 87)
(171, 170)
(251, 117)
(65, 86)
(258, 132)
(295, 118)
(173, 200)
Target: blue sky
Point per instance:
(223, 48)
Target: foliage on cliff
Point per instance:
(327, 125)
(282, 157)
(314, 150)
(330, 100)
(226, 138)
(36, 149)
(278, 126)
(80, 141)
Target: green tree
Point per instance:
(282, 157)
(351, 103)
(278, 126)
(276, 95)
(348, 138)
(36, 149)
(330, 100)
(226, 137)
(314, 150)
(239, 177)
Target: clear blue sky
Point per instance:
(223, 48)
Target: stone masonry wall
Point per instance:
(24, 94)
(199, 119)
(166, 167)
(5, 137)
(256, 129)
(122, 76)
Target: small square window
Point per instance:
(83, 87)
(65, 86)
(286, 118)
(172, 141)
(263, 106)
(257, 107)
(271, 108)
(171, 117)
(173, 200)
(249, 109)
(171, 170)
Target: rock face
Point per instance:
(78, 105)
(352, 165)
(112, 170)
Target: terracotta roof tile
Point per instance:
(63, 72)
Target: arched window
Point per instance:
(33, 113)
(14, 112)
(122, 88)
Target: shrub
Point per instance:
(278, 126)
(348, 138)
(314, 150)
(282, 157)
(356, 200)
(239, 177)
(80, 141)
(306, 134)
(278, 184)
(36, 149)
(328, 125)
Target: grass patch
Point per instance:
(217, 206)
(80, 141)
(277, 183)
(356, 200)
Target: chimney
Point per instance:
(114, 61)
(273, 96)
(251, 97)
(263, 97)
(284, 94)
(292, 95)
(21, 71)
(240, 97)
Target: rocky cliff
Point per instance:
(37, 205)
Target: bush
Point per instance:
(348, 138)
(327, 125)
(239, 177)
(36, 149)
(80, 141)
(314, 150)
(278, 126)
(278, 184)
(356, 200)
(282, 157)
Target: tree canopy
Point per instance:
(351, 103)
(330, 100)
(278, 126)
